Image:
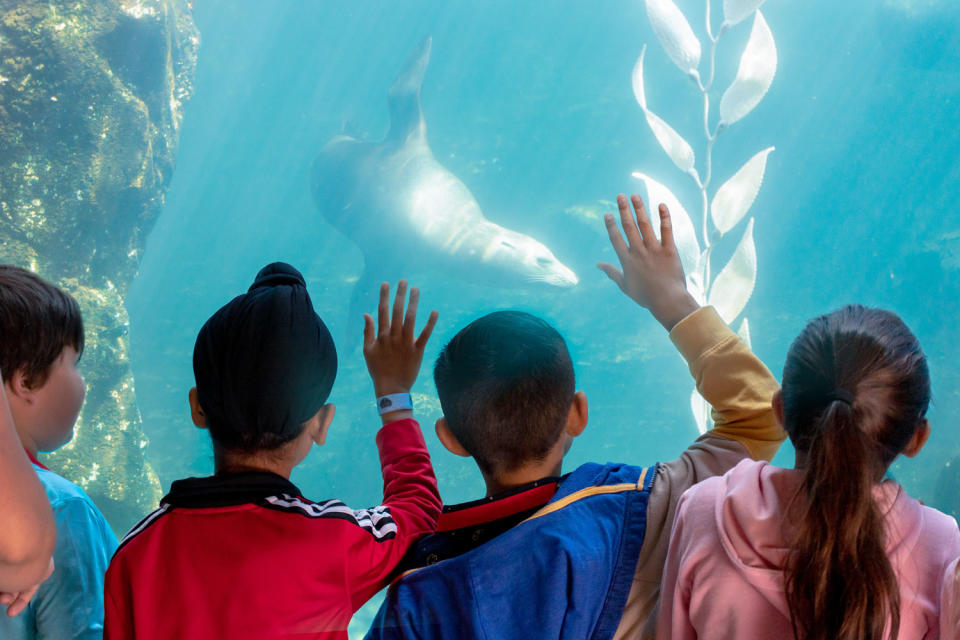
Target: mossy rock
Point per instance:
(91, 98)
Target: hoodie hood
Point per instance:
(751, 509)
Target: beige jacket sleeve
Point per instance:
(740, 389)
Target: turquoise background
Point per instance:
(530, 104)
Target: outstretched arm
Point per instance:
(411, 501)
(728, 375)
(29, 533)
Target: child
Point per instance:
(30, 533)
(829, 549)
(243, 554)
(578, 556)
(42, 339)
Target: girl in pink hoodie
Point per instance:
(828, 549)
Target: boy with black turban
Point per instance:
(243, 554)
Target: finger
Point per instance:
(619, 246)
(643, 222)
(612, 272)
(666, 228)
(410, 321)
(629, 226)
(368, 337)
(396, 324)
(383, 309)
(18, 605)
(7, 598)
(427, 331)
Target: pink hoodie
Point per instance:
(724, 579)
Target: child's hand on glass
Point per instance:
(652, 273)
(393, 355)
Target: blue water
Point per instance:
(530, 104)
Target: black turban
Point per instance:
(264, 363)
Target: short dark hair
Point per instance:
(505, 384)
(37, 322)
(264, 363)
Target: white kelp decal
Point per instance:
(736, 196)
(730, 290)
(678, 149)
(758, 65)
(675, 34)
(736, 11)
(733, 286)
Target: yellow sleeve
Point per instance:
(733, 380)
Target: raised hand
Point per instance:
(393, 355)
(652, 273)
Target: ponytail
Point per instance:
(855, 390)
(839, 527)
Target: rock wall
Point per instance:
(91, 99)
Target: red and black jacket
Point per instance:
(246, 556)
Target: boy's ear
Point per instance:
(778, 406)
(448, 440)
(196, 411)
(18, 387)
(919, 439)
(577, 417)
(324, 418)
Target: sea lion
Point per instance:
(407, 212)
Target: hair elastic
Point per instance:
(841, 395)
(394, 402)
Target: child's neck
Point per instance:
(225, 462)
(526, 474)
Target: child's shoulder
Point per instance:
(62, 493)
(58, 488)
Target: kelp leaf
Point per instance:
(683, 232)
(758, 65)
(675, 34)
(676, 147)
(679, 150)
(733, 286)
(695, 286)
(638, 91)
(736, 196)
(736, 11)
(744, 333)
(701, 411)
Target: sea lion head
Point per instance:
(523, 257)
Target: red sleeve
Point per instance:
(410, 499)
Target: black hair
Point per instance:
(37, 322)
(855, 391)
(505, 384)
(264, 363)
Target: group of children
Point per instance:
(714, 544)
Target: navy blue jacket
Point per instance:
(565, 572)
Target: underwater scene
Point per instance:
(155, 154)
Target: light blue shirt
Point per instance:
(69, 605)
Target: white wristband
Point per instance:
(394, 402)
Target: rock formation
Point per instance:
(91, 99)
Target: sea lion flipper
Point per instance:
(406, 118)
